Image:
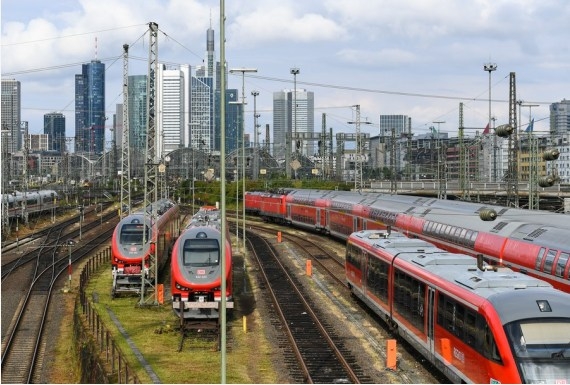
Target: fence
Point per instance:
(101, 359)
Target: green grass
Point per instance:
(154, 331)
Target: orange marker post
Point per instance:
(279, 236)
(391, 354)
(309, 267)
(160, 293)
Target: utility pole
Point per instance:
(255, 169)
(533, 196)
(358, 151)
(513, 165)
(125, 205)
(490, 67)
(150, 175)
(440, 166)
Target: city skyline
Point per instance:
(347, 55)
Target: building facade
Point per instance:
(560, 117)
(11, 115)
(293, 114)
(54, 127)
(90, 108)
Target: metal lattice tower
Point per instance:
(513, 165)
(533, 195)
(323, 149)
(5, 177)
(150, 171)
(24, 126)
(464, 186)
(125, 207)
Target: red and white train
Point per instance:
(536, 243)
(136, 237)
(196, 268)
(475, 323)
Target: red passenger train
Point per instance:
(536, 243)
(474, 323)
(196, 270)
(136, 237)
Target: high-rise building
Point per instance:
(560, 117)
(90, 108)
(54, 127)
(170, 122)
(202, 135)
(290, 118)
(137, 112)
(11, 115)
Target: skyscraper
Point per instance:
(90, 108)
(560, 117)
(54, 127)
(11, 115)
(137, 112)
(171, 101)
(287, 120)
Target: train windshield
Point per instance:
(542, 349)
(132, 234)
(201, 252)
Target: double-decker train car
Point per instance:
(151, 231)
(475, 323)
(22, 204)
(196, 268)
(532, 242)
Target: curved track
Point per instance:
(22, 347)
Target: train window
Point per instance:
(201, 252)
(561, 264)
(377, 278)
(549, 260)
(409, 298)
(539, 258)
(132, 234)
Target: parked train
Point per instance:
(196, 269)
(532, 242)
(137, 236)
(21, 204)
(475, 323)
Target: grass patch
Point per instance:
(154, 331)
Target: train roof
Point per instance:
(458, 269)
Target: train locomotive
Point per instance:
(196, 270)
(476, 323)
(136, 236)
(533, 242)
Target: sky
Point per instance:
(419, 58)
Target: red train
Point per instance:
(135, 237)
(196, 270)
(476, 324)
(532, 242)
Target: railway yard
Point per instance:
(325, 335)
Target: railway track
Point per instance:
(22, 347)
(321, 355)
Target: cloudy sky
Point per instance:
(419, 58)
